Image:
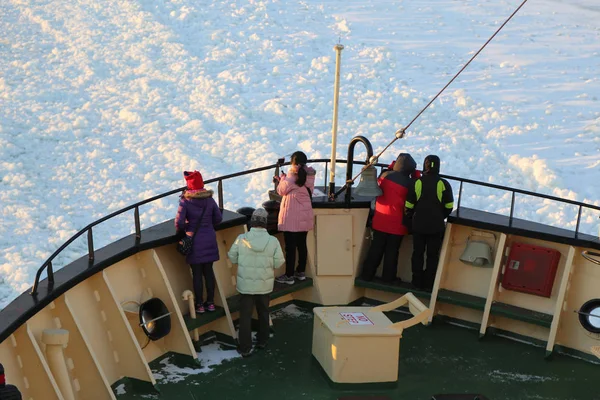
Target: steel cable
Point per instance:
(400, 132)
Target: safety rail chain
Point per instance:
(47, 265)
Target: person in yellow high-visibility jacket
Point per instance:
(428, 204)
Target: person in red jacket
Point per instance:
(388, 226)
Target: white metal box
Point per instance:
(360, 344)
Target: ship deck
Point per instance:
(441, 358)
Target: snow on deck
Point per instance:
(210, 356)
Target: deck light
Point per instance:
(155, 319)
(477, 253)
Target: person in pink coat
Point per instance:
(296, 216)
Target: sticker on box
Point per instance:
(356, 318)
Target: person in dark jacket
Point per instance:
(8, 392)
(198, 210)
(388, 227)
(428, 204)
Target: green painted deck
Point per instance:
(521, 314)
(442, 358)
(461, 299)
(400, 287)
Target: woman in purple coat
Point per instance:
(197, 209)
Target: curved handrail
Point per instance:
(350, 158)
(48, 263)
(520, 191)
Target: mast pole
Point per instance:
(336, 97)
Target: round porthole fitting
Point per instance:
(589, 316)
(591, 256)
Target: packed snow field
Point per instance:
(104, 103)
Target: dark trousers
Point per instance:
(247, 301)
(386, 246)
(198, 270)
(422, 243)
(295, 241)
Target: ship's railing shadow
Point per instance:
(47, 265)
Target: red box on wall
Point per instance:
(531, 269)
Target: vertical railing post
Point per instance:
(512, 209)
(220, 192)
(50, 271)
(578, 221)
(138, 229)
(459, 199)
(90, 238)
(325, 177)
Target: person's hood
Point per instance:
(431, 165)
(405, 164)
(198, 194)
(256, 239)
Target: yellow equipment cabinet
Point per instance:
(360, 344)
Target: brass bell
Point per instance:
(478, 254)
(368, 186)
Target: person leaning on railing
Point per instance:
(198, 212)
(296, 216)
(8, 392)
(428, 204)
(388, 227)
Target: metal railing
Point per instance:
(47, 265)
(514, 191)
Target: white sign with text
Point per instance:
(356, 318)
